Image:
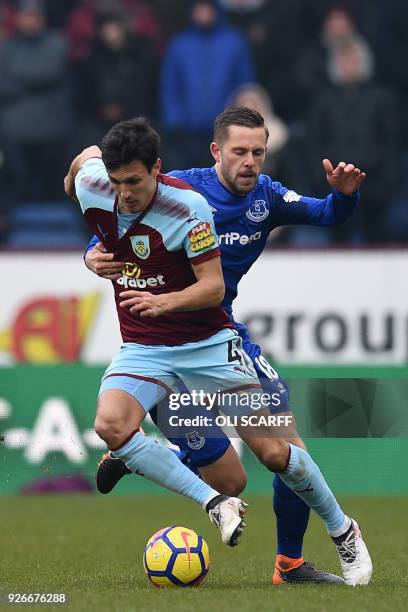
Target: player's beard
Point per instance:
(233, 186)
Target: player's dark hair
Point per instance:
(129, 141)
(237, 115)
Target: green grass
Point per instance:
(91, 549)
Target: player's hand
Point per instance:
(346, 178)
(144, 303)
(100, 262)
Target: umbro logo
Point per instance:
(291, 196)
(193, 218)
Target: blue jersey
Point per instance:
(243, 223)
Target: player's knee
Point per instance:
(108, 429)
(274, 455)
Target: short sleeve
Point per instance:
(92, 186)
(201, 240)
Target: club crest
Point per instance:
(141, 246)
(194, 440)
(258, 211)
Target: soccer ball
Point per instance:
(176, 556)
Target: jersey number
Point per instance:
(266, 368)
(234, 354)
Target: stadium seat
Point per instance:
(45, 225)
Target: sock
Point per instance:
(338, 534)
(304, 477)
(158, 463)
(292, 518)
(216, 500)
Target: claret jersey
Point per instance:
(158, 247)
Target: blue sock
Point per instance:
(292, 518)
(156, 462)
(304, 477)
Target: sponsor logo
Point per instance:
(258, 211)
(193, 218)
(131, 278)
(194, 440)
(140, 246)
(184, 536)
(243, 239)
(291, 196)
(141, 283)
(201, 237)
(131, 269)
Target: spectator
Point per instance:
(6, 19)
(392, 49)
(201, 68)
(57, 12)
(310, 71)
(357, 119)
(171, 16)
(277, 31)
(34, 104)
(117, 81)
(82, 23)
(253, 18)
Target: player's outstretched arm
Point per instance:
(345, 178)
(208, 291)
(69, 180)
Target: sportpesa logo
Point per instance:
(243, 239)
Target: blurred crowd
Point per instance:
(328, 76)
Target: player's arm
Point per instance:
(206, 292)
(345, 181)
(79, 160)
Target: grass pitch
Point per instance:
(90, 548)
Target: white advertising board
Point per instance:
(328, 307)
(303, 307)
